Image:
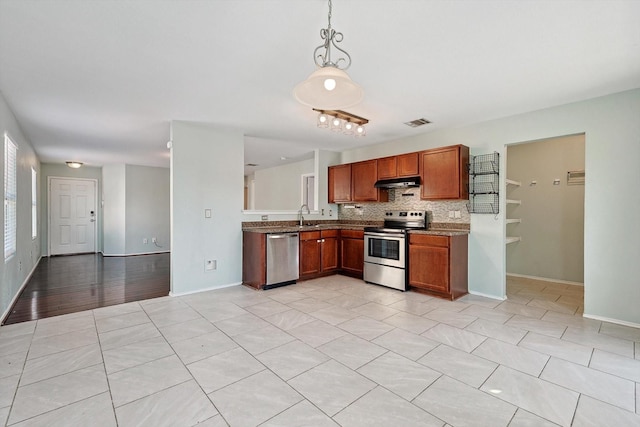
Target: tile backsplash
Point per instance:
(405, 199)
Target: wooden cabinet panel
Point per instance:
(408, 165)
(254, 259)
(329, 252)
(444, 173)
(363, 179)
(309, 257)
(387, 167)
(339, 183)
(352, 254)
(429, 268)
(318, 253)
(438, 264)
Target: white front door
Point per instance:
(72, 216)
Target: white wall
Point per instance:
(114, 210)
(14, 272)
(206, 173)
(147, 209)
(612, 135)
(279, 188)
(62, 170)
(552, 228)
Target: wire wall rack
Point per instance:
(484, 184)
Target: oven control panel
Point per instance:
(406, 219)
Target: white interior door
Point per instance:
(72, 216)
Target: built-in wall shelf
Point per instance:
(512, 202)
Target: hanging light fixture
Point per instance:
(341, 121)
(329, 87)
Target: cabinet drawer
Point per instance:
(352, 234)
(329, 233)
(310, 235)
(427, 240)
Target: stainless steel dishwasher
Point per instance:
(282, 259)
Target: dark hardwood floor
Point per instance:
(67, 284)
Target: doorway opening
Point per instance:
(545, 223)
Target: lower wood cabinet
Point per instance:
(438, 265)
(352, 252)
(254, 259)
(318, 253)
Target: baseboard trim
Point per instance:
(15, 297)
(480, 294)
(212, 288)
(546, 279)
(610, 320)
(136, 254)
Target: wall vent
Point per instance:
(417, 122)
(575, 177)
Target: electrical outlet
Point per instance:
(451, 214)
(210, 265)
(458, 214)
(265, 217)
(145, 241)
(154, 240)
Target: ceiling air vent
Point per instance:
(251, 164)
(417, 122)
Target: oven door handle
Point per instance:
(393, 236)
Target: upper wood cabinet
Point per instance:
(363, 179)
(444, 173)
(408, 164)
(399, 166)
(339, 183)
(387, 167)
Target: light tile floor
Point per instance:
(326, 352)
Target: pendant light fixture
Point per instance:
(341, 121)
(329, 87)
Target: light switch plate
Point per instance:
(207, 213)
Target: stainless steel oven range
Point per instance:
(386, 250)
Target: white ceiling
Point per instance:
(100, 81)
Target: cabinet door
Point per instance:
(339, 183)
(444, 174)
(363, 178)
(407, 165)
(387, 167)
(352, 255)
(429, 268)
(329, 253)
(309, 257)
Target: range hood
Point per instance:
(407, 182)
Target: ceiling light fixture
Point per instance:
(329, 87)
(341, 121)
(74, 165)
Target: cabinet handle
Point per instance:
(322, 240)
(318, 241)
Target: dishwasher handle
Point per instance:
(282, 236)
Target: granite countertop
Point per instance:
(441, 232)
(296, 228)
(436, 229)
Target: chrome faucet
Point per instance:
(300, 217)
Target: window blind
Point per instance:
(10, 197)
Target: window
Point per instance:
(10, 197)
(34, 203)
